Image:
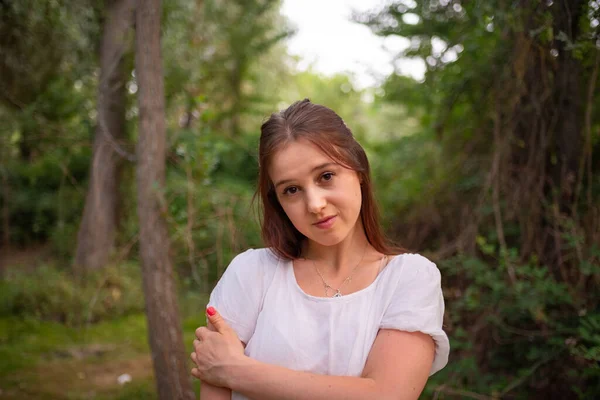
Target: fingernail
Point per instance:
(211, 311)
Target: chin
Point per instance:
(326, 240)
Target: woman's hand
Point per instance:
(214, 352)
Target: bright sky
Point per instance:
(328, 40)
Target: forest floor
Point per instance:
(51, 361)
(46, 360)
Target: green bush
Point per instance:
(209, 190)
(43, 199)
(530, 330)
(52, 293)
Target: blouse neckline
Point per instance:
(345, 298)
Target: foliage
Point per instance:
(39, 41)
(486, 162)
(209, 192)
(515, 334)
(508, 210)
(46, 199)
(219, 78)
(404, 170)
(55, 127)
(80, 362)
(47, 79)
(52, 293)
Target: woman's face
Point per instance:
(320, 197)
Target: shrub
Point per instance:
(52, 293)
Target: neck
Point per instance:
(342, 257)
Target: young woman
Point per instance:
(329, 310)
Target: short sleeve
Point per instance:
(417, 305)
(239, 294)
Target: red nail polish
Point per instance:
(211, 311)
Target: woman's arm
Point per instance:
(397, 368)
(208, 391)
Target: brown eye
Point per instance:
(290, 190)
(327, 176)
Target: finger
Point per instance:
(201, 332)
(194, 357)
(196, 373)
(217, 320)
(210, 326)
(196, 344)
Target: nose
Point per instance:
(315, 201)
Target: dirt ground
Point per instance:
(80, 373)
(27, 259)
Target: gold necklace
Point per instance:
(327, 286)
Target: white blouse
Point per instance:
(259, 297)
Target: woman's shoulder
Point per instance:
(252, 260)
(263, 254)
(414, 281)
(413, 267)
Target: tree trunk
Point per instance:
(569, 96)
(96, 235)
(5, 212)
(5, 218)
(164, 327)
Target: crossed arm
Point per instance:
(397, 368)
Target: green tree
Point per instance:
(510, 95)
(99, 223)
(162, 311)
(227, 40)
(47, 58)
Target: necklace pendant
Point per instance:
(337, 294)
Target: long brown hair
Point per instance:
(326, 130)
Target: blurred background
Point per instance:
(481, 120)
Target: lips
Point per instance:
(326, 222)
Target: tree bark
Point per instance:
(96, 237)
(5, 218)
(5, 212)
(569, 98)
(164, 327)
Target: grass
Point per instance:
(48, 360)
(101, 335)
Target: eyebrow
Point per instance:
(318, 167)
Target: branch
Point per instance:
(522, 379)
(110, 138)
(119, 23)
(462, 393)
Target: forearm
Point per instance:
(262, 381)
(210, 392)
